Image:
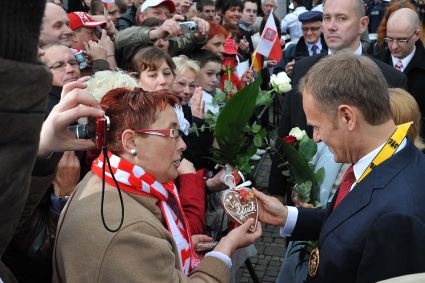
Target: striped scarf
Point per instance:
(133, 179)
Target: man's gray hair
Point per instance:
(345, 78)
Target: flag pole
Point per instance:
(253, 56)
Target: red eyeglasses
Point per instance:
(169, 133)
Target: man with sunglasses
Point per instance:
(311, 43)
(406, 53)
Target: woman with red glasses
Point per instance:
(153, 242)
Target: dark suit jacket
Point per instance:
(378, 229)
(297, 52)
(415, 73)
(293, 113)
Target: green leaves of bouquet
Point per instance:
(238, 141)
(298, 149)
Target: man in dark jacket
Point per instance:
(339, 35)
(128, 19)
(406, 53)
(374, 228)
(311, 43)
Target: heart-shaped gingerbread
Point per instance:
(241, 204)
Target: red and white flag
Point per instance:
(106, 2)
(269, 43)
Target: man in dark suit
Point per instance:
(375, 226)
(311, 43)
(406, 53)
(343, 23)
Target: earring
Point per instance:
(133, 152)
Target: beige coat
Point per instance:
(141, 251)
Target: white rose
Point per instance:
(297, 133)
(281, 82)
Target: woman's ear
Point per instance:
(127, 139)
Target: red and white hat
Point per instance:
(82, 19)
(155, 3)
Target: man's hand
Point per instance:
(289, 67)
(271, 63)
(55, 136)
(110, 27)
(169, 28)
(95, 51)
(270, 209)
(203, 27)
(68, 174)
(107, 43)
(244, 45)
(185, 6)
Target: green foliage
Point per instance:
(264, 98)
(307, 148)
(235, 145)
(300, 171)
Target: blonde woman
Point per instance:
(405, 109)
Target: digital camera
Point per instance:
(95, 129)
(189, 26)
(80, 56)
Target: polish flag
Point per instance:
(269, 43)
(106, 2)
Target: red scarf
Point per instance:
(133, 179)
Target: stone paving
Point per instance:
(270, 247)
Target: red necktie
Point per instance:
(399, 65)
(345, 186)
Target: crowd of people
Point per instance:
(138, 198)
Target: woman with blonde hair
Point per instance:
(186, 78)
(405, 109)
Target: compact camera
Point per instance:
(95, 129)
(80, 56)
(189, 26)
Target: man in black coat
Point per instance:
(375, 226)
(311, 43)
(343, 23)
(406, 52)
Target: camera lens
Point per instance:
(79, 131)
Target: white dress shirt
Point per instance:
(359, 167)
(358, 52)
(405, 61)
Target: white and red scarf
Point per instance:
(133, 179)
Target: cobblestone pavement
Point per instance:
(270, 247)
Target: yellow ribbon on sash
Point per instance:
(389, 148)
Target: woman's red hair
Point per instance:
(132, 109)
(216, 29)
